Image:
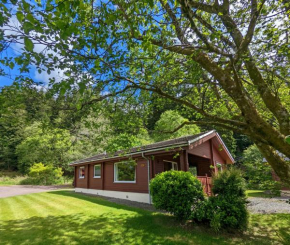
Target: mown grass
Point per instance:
(258, 193)
(64, 217)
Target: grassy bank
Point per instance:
(15, 178)
(11, 178)
(64, 217)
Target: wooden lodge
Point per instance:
(126, 175)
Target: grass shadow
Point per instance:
(98, 200)
(88, 226)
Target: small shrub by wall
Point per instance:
(176, 192)
(39, 174)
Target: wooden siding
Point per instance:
(94, 183)
(217, 156)
(141, 184)
(81, 183)
(202, 150)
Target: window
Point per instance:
(125, 172)
(82, 172)
(97, 171)
(169, 165)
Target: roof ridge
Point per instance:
(172, 139)
(137, 149)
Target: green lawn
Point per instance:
(257, 193)
(64, 217)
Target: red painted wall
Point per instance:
(81, 183)
(141, 184)
(217, 157)
(95, 183)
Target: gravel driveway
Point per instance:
(256, 204)
(269, 205)
(16, 190)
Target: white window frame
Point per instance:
(172, 163)
(97, 177)
(122, 181)
(82, 177)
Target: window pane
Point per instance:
(82, 172)
(174, 166)
(125, 171)
(97, 170)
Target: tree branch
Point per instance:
(206, 123)
(184, 102)
(201, 6)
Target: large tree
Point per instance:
(226, 62)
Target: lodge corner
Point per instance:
(126, 175)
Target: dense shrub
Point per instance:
(229, 183)
(39, 174)
(226, 209)
(176, 192)
(228, 214)
(272, 187)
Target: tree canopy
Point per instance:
(226, 63)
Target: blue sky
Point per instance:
(5, 82)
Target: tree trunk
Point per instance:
(279, 165)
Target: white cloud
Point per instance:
(18, 47)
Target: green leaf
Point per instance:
(28, 44)
(62, 91)
(11, 65)
(79, 106)
(82, 87)
(31, 18)
(27, 27)
(287, 139)
(20, 16)
(26, 6)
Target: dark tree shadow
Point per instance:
(136, 227)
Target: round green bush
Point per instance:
(176, 192)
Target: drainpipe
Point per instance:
(148, 166)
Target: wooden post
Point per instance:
(153, 167)
(211, 156)
(88, 176)
(75, 177)
(186, 164)
(102, 174)
(206, 184)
